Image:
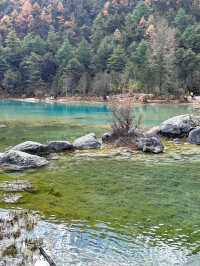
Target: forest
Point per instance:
(98, 47)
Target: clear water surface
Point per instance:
(150, 115)
(142, 211)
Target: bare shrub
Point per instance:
(123, 118)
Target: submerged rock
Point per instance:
(178, 126)
(194, 136)
(41, 263)
(59, 146)
(16, 186)
(11, 198)
(32, 147)
(150, 144)
(177, 141)
(2, 126)
(88, 141)
(18, 160)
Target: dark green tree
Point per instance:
(117, 60)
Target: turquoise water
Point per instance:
(142, 211)
(151, 115)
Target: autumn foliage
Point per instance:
(62, 47)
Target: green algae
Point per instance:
(140, 193)
(121, 192)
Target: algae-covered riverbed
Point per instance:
(116, 203)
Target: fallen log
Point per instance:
(47, 257)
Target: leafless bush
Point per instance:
(122, 117)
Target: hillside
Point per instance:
(97, 47)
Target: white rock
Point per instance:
(41, 263)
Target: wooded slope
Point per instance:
(99, 47)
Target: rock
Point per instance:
(59, 146)
(88, 141)
(18, 160)
(194, 136)
(178, 126)
(11, 198)
(3, 126)
(150, 144)
(16, 186)
(107, 137)
(152, 131)
(177, 141)
(31, 147)
(53, 156)
(41, 263)
(131, 132)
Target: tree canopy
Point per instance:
(99, 47)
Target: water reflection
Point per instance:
(81, 244)
(100, 245)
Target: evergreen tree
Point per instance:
(104, 51)
(64, 54)
(117, 60)
(83, 54)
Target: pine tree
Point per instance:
(117, 60)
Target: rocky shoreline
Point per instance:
(31, 154)
(138, 98)
(27, 155)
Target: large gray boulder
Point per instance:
(194, 136)
(88, 141)
(59, 146)
(18, 160)
(150, 144)
(178, 126)
(32, 147)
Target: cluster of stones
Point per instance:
(182, 126)
(177, 127)
(10, 190)
(31, 154)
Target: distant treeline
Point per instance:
(98, 47)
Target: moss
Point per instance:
(11, 251)
(119, 192)
(140, 192)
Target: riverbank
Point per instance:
(135, 98)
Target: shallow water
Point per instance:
(141, 210)
(151, 115)
(77, 243)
